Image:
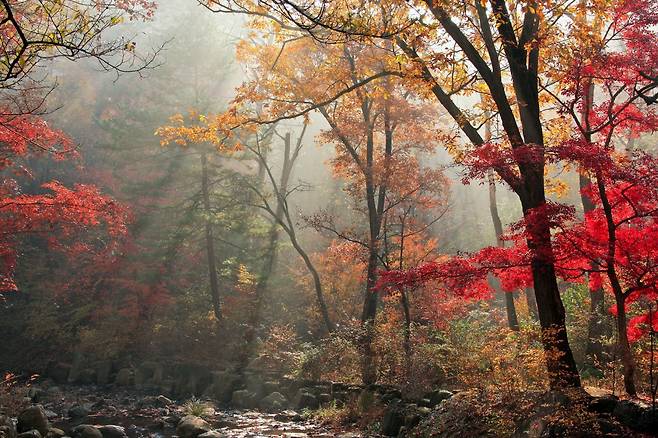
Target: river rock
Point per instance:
(243, 399)
(191, 426)
(393, 420)
(7, 428)
(54, 432)
(78, 411)
(31, 418)
(112, 431)
(36, 394)
(85, 431)
(306, 400)
(274, 402)
(30, 434)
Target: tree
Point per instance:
(494, 46)
(37, 31)
(55, 212)
(602, 84)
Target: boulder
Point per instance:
(78, 411)
(274, 402)
(223, 385)
(436, 397)
(54, 432)
(31, 418)
(159, 401)
(30, 434)
(288, 416)
(111, 431)
(393, 420)
(85, 431)
(7, 428)
(271, 387)
(191, 426)
(306, 400)
(627, 412)
(243, 399)
(36, 394)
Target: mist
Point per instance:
(303, 219)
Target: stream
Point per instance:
(143, 415)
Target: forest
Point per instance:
(328, 218)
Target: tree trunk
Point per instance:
(210, 241)
(531, 302)
(368, 366)
(620, 298)
(628, 363)
(510, 308)
(595, 326)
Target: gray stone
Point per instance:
(78, 411)
(162, 401)
(30, 434)
(393, 420)
(306, 400)
(111, 431)
(85, 431)
(274, 402)
(54, 390)
(436, 397)
(33, 417)
(254, 384)
(288, 416)
(54, 432)
(36, 394)
(7, 428)
(223, 385)
(243, 399)
(271, 387)
(191, 426)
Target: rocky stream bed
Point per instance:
(93, 412)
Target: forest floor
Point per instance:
(156, 416)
